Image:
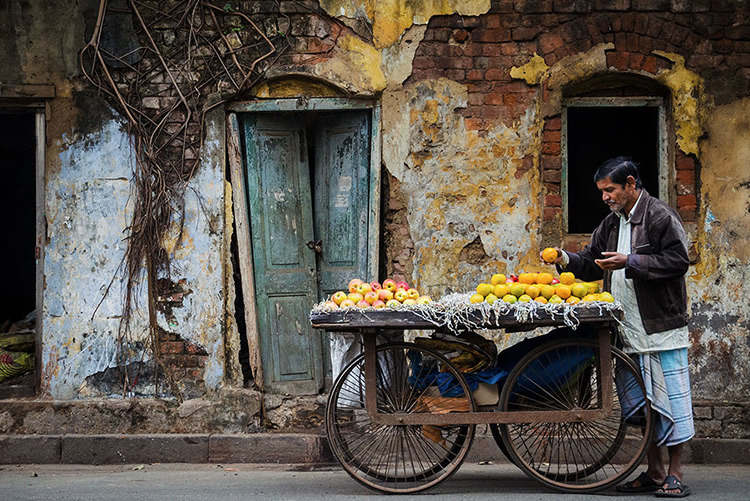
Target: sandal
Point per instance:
(645, 484)
(672, 483)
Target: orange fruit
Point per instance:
(541, 299)
(498, 278)
(491, 298)
(484, 289)
(547, 291)
(549, 255)
(533, 291)
(593, 287)
(501, 289)
(563, 291)
(527, 278)
(544, 278)
(579, 290)
(606, 297)
(476, 298)
(517, 289)
(509, 298)
(525, 298)
(555, 299)
(567, 278)
(573, 300)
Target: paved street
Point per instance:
(208, 482)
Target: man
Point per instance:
(640, 252)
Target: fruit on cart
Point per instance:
(409, 301)
(491, 298)
(593, 287)
(541, 299)
(562, 290)
(384, 295)
(484, 289)
(517, 289)
(549, 255)
(389, 284)
(371, 297)
(363, 288)
(402, 285)
(378, 304)
(338, 297)
(498, 278)
(392, 303)
(331, 305)
(353, 284)
(424, 300)
(606, 297)
(527, 278)
(547, 291)
(533, 291)
(544, 278)
(567, 278)
(476, 298)
(579, 289)
(501, 290)
(400, 295)
(555, 299)
(524, 298)
(356, 297)
(510, 298)
(347, 303)
(412, 293)
(573, 300)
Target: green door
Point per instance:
(291, 204)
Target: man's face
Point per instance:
(616, 196)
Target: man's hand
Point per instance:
(558, 259)
(612, 261)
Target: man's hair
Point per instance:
(617, 170)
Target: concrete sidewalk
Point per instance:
(258, 448)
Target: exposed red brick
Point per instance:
(552, 136)
(552, 176)
(490, 112)
(549, 42)
(496, 74)
(475, 75)
(685, 162)
(649, 64)
(172, 347)
(493, 35)
(553, 200)
(688, 215)
(551, 163)
(553, 123)
(552, 188)
(686, 202)
(550, 214)
(460, 36)
(686, 176)
(475, 124)
(636, 61)
(509, 49)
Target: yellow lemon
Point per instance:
(476, 298)
(563, 291)
(501, 289)
(498, 278)
(484, 289)
(549, 255)
(509, 298)
(533, 291)
(579, 290)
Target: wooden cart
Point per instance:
(571, 414)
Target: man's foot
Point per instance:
(642, 483)
(672, 488)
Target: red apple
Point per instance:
(371, 297)
(376, 286)
(389, 284)
(555, 281)
(401, 295)
(338, 296)
(378, 304)
(363, 304)
(412, 293)
(363, 288)
(385, 295)
(402, 285)
(353, 284)
(347, 303)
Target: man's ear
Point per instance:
(630, 181)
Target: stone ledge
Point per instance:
(288, 448)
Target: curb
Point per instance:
(288, 448)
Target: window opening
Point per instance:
(594, 133)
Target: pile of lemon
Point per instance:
(540, 287)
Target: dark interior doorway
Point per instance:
(17, 254)
(596, 134)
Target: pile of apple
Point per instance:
(540, 287)
(390, 294)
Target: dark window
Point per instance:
(595, 134)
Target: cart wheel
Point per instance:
(400, 459)
(586, 456)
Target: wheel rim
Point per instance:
(399, 458)
(574, 457)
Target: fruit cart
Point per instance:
(571, 412)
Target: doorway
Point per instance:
(312, 209)
(19, 253)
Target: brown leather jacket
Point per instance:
(657, 263)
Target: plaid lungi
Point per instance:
(667, 381)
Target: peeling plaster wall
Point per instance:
(459, 186)
(87, 213)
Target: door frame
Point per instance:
(34, 99)
(241, 212)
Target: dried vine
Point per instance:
(186, 51)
